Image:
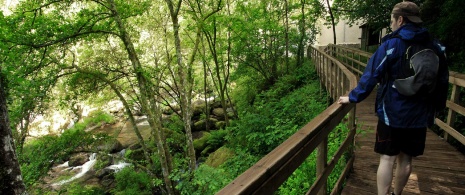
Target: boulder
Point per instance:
(198, 107)
(200, 125)
(104, 172)
(201, 143)
(136, 155)
(103, 161)
(108, 181)
(216, 103)
(219, 112)
(112, 146)
(78, 159)
(230, 112)
(220, 125)
(218, 157)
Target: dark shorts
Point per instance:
(391, 141)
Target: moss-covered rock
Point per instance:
(218, 157)
(220, 125)
(198, 107)
(201, 124)
(78, 159)
(201, 143)
(218, 112)
(111, 146)
(103, 161)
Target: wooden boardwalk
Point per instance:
(441, 170)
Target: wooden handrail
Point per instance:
(353, 58)
(456, 80)
(272, 170)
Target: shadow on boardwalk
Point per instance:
(441, 170)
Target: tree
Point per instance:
(93, 20)
(10, 173)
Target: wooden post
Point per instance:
(454, 97)
(321, 162)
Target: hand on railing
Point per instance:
(343, 100)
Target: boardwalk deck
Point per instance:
(441, 170)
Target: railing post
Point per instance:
(455, 95)
(322, 162)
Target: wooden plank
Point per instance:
(456, 79)
(451, 131)
(455, 107)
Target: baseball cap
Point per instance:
(408, 9)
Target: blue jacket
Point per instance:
(393, 108)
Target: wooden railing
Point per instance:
(457, 81)
(356, 60)
(271, 171)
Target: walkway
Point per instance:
(441, 170)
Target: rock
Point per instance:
(216, 103)
(112, 146)
(209, 149)
(108, 181)
(201, 144)
(200, 125)
(136, 155)
(218, 157)
(198, 107)
(103, 161)
(104, 172)
(219, 112)
(230, 112)
(135, 146)
(170, 110)
(220, 125)
(78, 159)
(197, 135)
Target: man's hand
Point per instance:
(343, 100)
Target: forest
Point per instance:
(176, 96)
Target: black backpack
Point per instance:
(418, 70)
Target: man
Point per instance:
(401, 129)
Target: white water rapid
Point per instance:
(84, 168)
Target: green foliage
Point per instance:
(303, 177)
(98, 118)
(39, 155)
(174, 123)
(278, 112)
(273, 116)
(372, 12)
(217, 138)
(206, 180)
(443, 19)
(241, 161)
(132, 182)
(77, 189)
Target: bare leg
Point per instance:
(384, 175)
(403, 170)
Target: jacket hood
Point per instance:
(409, 32)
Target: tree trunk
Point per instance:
(185, 91)
(128, 112)
(332, 21)
(11, 181)
(300, 49)
(286, 33)
(165, 159)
